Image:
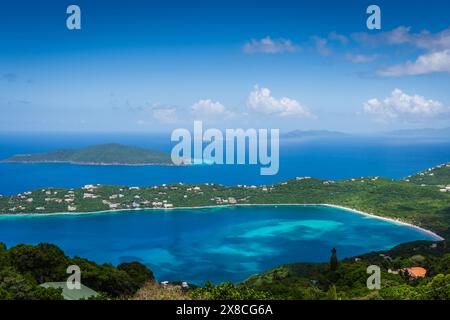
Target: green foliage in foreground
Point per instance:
(306, 281)
(24, 267)
(229, 291)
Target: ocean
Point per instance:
(323, 158)
(214, 244)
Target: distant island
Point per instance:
(103, 154)
(314, 134)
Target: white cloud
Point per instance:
(322, 46)
(401, 105)
(164, 114)
(436, 46)
(261, 100)
(361, 58)
(438, 61)
(338, 37)
(269, 45)
(209, 108)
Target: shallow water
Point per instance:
(216, 244)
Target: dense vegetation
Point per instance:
(421, 199)
(112, 153)
(423, 205)
(24, 267)
(439, 176)
(336, 280)
(318, 281)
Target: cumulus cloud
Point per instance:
(269, 45)
(261, 100)
(401, 105)
(209, 108)
(399, 35)
(436, 46)
(438, 61)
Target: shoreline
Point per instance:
(371, 215)
(93, 163)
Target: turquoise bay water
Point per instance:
(216, 244)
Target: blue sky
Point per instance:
(158, 65)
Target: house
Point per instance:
(157, 204)
(415, 272)
(71, 294)
(71, 208)
(135, 205)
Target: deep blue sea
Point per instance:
(213, 244)
(218, 244)
(326, 159)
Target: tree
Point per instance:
(333, 260)
(4, 258)
(14, 286)
(45, 262)
(229, 291)
(438, 288)
(332, 294)
(138, 273)
(400, 292)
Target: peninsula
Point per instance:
(408, 200)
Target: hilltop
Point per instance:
(103, 154)
(437, 176)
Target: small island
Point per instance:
(103, 154)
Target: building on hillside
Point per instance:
(415, 272)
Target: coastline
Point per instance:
(371, 215)
(93, 163)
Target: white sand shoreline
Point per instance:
(371, 215)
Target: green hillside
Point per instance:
(439, 176)
(112, 153)
(311, 281)
(424, 206)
